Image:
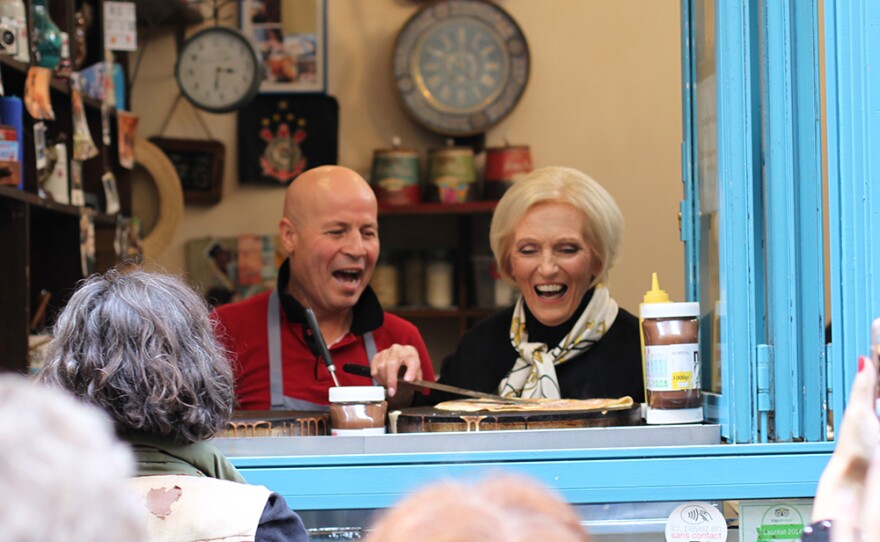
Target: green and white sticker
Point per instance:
(765, 521)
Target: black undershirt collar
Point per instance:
(552, 335)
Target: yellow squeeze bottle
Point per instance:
(654, 295)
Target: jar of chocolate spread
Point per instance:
(672, 362)
(357, 410)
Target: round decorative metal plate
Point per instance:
(460, 66)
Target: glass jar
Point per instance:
(357, 410)
(414, 279)
(384, 282)
(672, 362)
(438, 279)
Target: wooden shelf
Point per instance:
(471, 207)
(57, 84)
(14, 64)
(159, 13)
(36, 201)
(41, 238)
(428, 312)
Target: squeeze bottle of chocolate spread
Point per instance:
(672, 362)
(654, 295)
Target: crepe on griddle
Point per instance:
(536, 405)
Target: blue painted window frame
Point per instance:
(774, 361)
(852, 45)
(769, 306)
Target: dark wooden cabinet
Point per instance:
(39, 238)
(462, 230)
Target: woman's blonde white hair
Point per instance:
(603, 221)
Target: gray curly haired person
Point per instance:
(140, 346)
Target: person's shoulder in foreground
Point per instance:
(62, 471)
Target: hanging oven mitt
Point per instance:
(83, 145)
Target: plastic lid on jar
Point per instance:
(670, 310)
(356, 394)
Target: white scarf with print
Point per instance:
(533, 375)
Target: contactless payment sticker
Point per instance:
(696, 522)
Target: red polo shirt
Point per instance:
(243, 329)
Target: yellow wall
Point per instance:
(604, 96)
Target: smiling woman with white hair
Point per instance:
(555, 235)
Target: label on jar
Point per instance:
(357, 432)
(673, 367)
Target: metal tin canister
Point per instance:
(395, 176)
(504, 165)
(452, 175)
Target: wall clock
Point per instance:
(460, 66)
(218, 70)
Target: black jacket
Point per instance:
(611, 368)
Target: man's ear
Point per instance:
(288, 235)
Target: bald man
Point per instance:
(331, 233)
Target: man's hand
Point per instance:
(385, 368)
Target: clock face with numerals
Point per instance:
(460, 66)
(218, 70)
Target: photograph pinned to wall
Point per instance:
(111, 194)
(291, 37)
(282, 135)
(10, 166)
(77, 195)
(83, 144)
(228, 269)
(127, 242)
(126, 125)
(87, 240)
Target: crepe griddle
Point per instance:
(277, 423)
(432, 420)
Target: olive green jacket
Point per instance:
(156, 455)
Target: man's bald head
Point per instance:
(314, 188)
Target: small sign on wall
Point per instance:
(120, 26)
(199, 164)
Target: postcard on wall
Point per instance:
(126, 124)
(10, 167)
(77, 196)
(290, 35)
(111, 194)
(87, 241)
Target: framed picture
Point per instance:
(291, 37)
(199, 164)
(282, 135)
